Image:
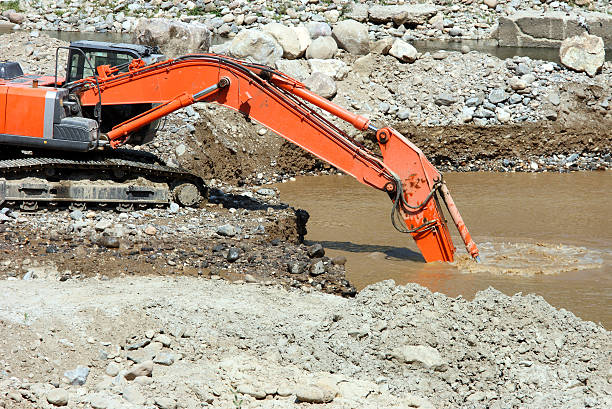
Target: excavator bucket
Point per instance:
(415, 198)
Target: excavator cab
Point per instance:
(118, 55)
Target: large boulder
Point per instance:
(322, 48)
(411, 14)
(322, 85)
(318, 29)
(297, 69)
(403, 51)
(256, 46)
(294, 41)
(335, 69)
(14, 17)
(352, 36)
(173, 37)
(583, 53)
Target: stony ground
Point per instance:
(189, 342)
(104, 310)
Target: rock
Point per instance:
(358, 12)
(423, 355)
(165, 403)
(248, 389)
(445, 99)
(321, 84)
(164, 358)
(133, 395)
(173, 37)
(112, 369)
(174, 207)
(99, 402)
(297, 69)
(403, 51)
(294, 42)
(382, 46)
(317, 269)
(142, 369)
(110, 242)
(517, 84)
(297, 267)
(503, 116)
(411, 14)
(103, 224)
(335, 69)
(316, 251)
(584, 53)
(57, 397)
(338, 260)
(352, 36)
(77, 376)
(533, 165)
(76, 215)
(233, 254)
(150, 230)
(226, 230)
(490, 3)
(163, 339)
(314, 393)
(256, 46)
(322, 48)
(266, 192)
(14, 17)
(318, 29)
(497, 95)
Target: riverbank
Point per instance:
(406, 19)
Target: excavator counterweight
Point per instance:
(282, 104)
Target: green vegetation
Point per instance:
(196, 11)
(237, 401)
(10, 5)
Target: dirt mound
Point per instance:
(221, 343)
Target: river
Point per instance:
(545, 233)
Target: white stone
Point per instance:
(403, 51)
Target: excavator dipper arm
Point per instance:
(284, 105)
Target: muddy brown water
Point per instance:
(549, 234)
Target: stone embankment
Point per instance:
(409, 20)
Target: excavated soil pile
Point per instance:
(215, 344)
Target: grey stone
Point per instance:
(164, 358)
(252, 390)
(76, 215)
(335, 69)
(497, 95)
(77, 376)
(445, 99)
(403, 51)
(382, 46)
(423, 355)
(226, 230)
(174, 207)
(266, 192)
(142, 369)
(316, 251)
(473, 102)
(57, 397)
(165, 403)
(411, 14)
(322, 48)
(99, 402)
(173, 37)
(321, 84)
(297, 69)
(313, 393)
(293, 45)
(112, 369)
(584, 53)
(352, 36)
(297, 267)
(256, 46)
(133, 395)
(163, 339)
(318, 29)
(233, 254)
(317, 269)
(403, 114)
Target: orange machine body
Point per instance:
(277, 102)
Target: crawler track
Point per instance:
(122, 178)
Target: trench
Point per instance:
(548, 234)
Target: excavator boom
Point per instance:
(287, 107)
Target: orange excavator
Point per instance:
(62, 150)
